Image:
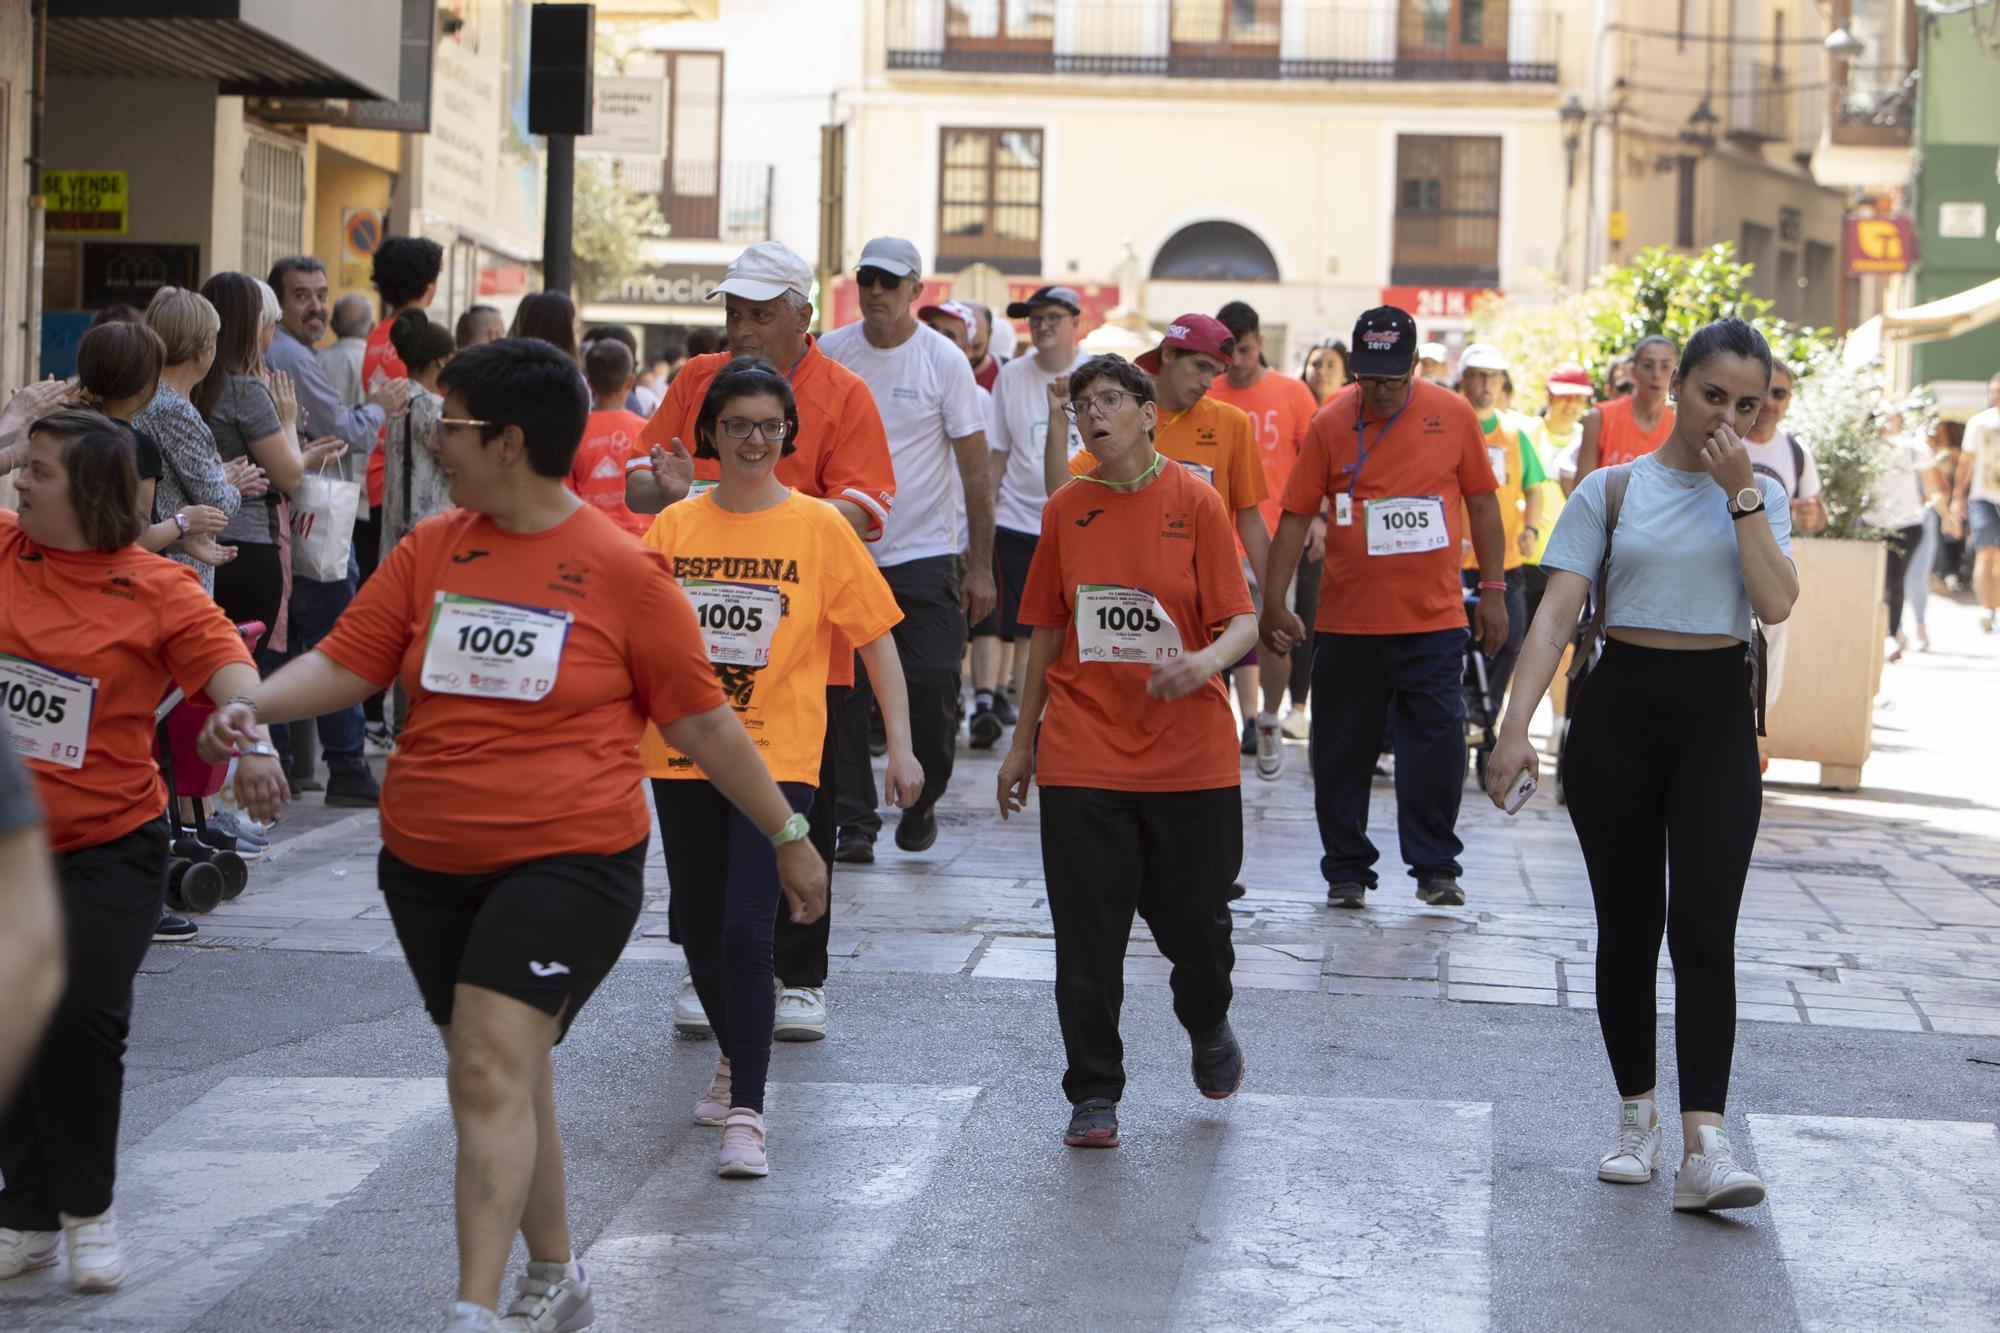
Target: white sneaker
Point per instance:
(1712, 1179)
(1297, 725)
(25, 1251)
(1270, 752)
(1636, 1153)
(550, 1301)
(690, 1019)
(96, 1260)
(801, 1014)
(465, 1317)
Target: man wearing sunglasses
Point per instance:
(935, 416)
(1391, 460)
(840, 455)
(1774, 453)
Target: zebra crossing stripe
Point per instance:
(1878, 1219)
(797, 1250)
(199, 1211)
(1345, 1213)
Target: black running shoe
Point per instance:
(855, 848)
(1440, 891)
(1347, 893)
(916, 831)
(986, 728)
(1218, 1063)
(1093, 1124)
(175, 928)
(1003, 708)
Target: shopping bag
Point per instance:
(323, 510)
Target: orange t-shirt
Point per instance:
(1432, 448)
(1215, 441)
(132, 622)
(1176, 540)
(479, 784)
(379, 360)
(1280, 409)
(841, 451)
(598, 475)
(804, 555)
(1619, 439)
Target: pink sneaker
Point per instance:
(742, 1145)
(713, 1108)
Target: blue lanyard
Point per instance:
(1361, 450)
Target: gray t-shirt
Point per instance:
(1673, 559)
(244, 412)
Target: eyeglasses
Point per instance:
(1379, 381)
(1622, 388)
(740, 428)
(464, 423)
(1047, 319)
(876, 277)
(1106, 403)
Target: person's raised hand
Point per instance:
(204, 520)
(32, 402)
(1727, 459)
(322, 451)
(390, 395)
(673, 471)
(283, 396)
(207, 550)
(248, 479)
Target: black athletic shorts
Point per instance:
(1013, 552)
(544, 932)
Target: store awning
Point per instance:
(1946, 317)
(251, 48)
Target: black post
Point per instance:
(558, 213)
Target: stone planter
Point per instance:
(1833, 663)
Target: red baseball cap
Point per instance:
(1570, 378)
(1192, 333)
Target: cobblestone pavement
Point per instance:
(1876, 909)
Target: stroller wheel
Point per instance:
(235, 873)
(197, 888)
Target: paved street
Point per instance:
(1414, 1148)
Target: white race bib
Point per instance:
(699, 488)
(1115, 624)
(1498, 457)
(48, 711)
(738, 620)
(493, 650)
(1406, 524)
(1207, 474)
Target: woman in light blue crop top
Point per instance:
(1662, 771)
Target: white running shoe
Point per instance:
(1636, 1154)
(96, 1260)
(1270, 752)
(801, 1014)
(550, 1301)
(690, 1019)
(1713, 1179)
(713, 1108)
(1297, 725)
(465, 1317)
(25, 1251)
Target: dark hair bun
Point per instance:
(418, 341)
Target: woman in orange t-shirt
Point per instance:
(1621, 429)
(1136, 756)
(96, 631)
(536, 641)
(774, 576)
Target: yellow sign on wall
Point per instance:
(1614, 226)
(84, 203)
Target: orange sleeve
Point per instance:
(373, 633)
(1475, 467)
(1305, 408)
(670, 671)
(1042, 597)
(859, 603)
(1246, 472)
(199, 639)
(1220, 589)
(856, 467)
(1081, 462)
(1307, 489)
(675, 416)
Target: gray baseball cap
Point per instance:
(891, 254)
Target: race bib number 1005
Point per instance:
(738, 620)
(1115, 624)
(1406, 524)
(48, 711)
(493, 650)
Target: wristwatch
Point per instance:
(1747, 501)
(181, 521)
(791, 830)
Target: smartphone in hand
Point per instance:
(1523, 788)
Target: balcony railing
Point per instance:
(1295, 40)
(708, 201)
(1760, 104)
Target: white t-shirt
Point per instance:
(1774, 458)
(1020, 426)
(1982, 454)
(1898, 498)
(924, 389)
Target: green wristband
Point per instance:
(792, 830)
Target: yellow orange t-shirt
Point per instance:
(129, 622)
(1432, 448)
(598, 475)
(1216, 443)
(804, 554)
(480, 784)
(1518, 470)
(1280, 409)
(1176, 540)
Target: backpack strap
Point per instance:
(1616, 478)
(1798, 461)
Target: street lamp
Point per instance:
(1844, 44)
(1573, 115)
(1701, 126)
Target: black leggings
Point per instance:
(723, 875)
(1902, 544)
(1663, 789)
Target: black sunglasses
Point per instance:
(876, 277)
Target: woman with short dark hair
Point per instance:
(1688, 548)
(96, 630)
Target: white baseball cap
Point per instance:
(1433, 352)
(1482, 356)
(764, 272)
(891, 254)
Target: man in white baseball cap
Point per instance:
(1433, 363)
(839, 454)
(1517, 466)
